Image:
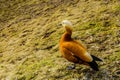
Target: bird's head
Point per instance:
(67, 25)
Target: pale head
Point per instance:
(66, 23)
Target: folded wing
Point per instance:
(77, 50)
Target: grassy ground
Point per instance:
(29, 38)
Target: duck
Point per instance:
(74, 51)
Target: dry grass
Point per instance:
(29, 38)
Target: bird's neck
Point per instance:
(67, 35)
(68, 30)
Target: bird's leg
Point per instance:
(71, 67)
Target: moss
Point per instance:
(115, 57)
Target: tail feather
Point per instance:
(93, 65)
(95, 58)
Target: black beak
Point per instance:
(59, 25)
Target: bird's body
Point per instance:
(74, 51)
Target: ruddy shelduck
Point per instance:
(74, 51)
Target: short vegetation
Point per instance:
(29, 38)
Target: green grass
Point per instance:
(29, 39)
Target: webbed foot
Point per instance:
(71, 67)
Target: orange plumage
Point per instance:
(74, 51)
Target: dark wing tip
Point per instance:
(96, 58)
(93, 65)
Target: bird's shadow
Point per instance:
(85, 73)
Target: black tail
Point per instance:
(93, 65)
(95, 58)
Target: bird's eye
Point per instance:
(63, 22)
